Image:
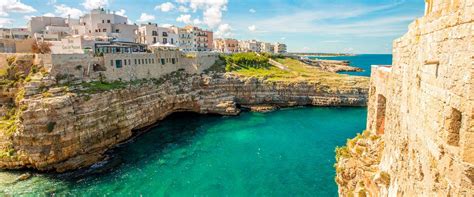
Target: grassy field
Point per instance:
(301, 72)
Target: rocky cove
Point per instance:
(70, 128)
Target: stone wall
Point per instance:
(422, 107)
(78, 68)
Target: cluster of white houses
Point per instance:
(229, 45)
(102, 31)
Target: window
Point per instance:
(125, 62)
(111, 62)
(165, 34)
(108, 21)
(172, 41)
(173, 60)
(117, 31)
(154, 33)
(162, 61)
(103, 21)
(104, 30)
(454, 126)
(135, 61)
(154, 40)
(146, 61)
(118, 63)
(153, 61)
(165, 41)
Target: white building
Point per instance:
(151, 34)
(185, 39)
(280, 48)
(101, 23)
(15, 33)
(72, 45)
(51, 28)
(266, 47)
(249, 46)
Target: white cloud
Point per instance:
(27, 17)
(93, 4)
(52, 2)
(316, 21)
(185, 18)
(212, 10)
(166, 25)
(49, 14)
(252, 28)
(283, 38)
(14, 6)
(5, 21)
(65, 11)
(348, 50)
(121, 12)
(223, 31)
(183, 9)
(165, 7)
(197, 22)
(146, 18)
(252, 10)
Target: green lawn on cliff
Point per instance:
(298, 71)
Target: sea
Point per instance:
(289, 152)
(364, 61)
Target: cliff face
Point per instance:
(70, 129)
(421, 108)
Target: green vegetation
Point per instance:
(7, 152)
(297, 71)
(218, 66)
(342, 152)
(13, 76)
(244, 61)
(51, 126)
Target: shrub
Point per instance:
(246, 60)
(342, 152)
(50, 126)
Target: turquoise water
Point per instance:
(283, 153)
(363, 61)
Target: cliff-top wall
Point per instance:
(421, 108)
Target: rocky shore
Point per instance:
(332, 65)
(71, 128)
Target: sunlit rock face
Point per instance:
(69, 130)
(422, 108)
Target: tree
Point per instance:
(41, 47)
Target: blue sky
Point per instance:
(357, 26)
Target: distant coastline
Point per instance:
(323, 54)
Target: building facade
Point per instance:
(101, 23)
(185, 39)
(227, 45)
(280, 48)
(266, 47)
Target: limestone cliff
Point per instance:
(71, 127)
(421, 112)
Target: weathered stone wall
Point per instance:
(72, 130)
(422, 107)
(79, 68)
